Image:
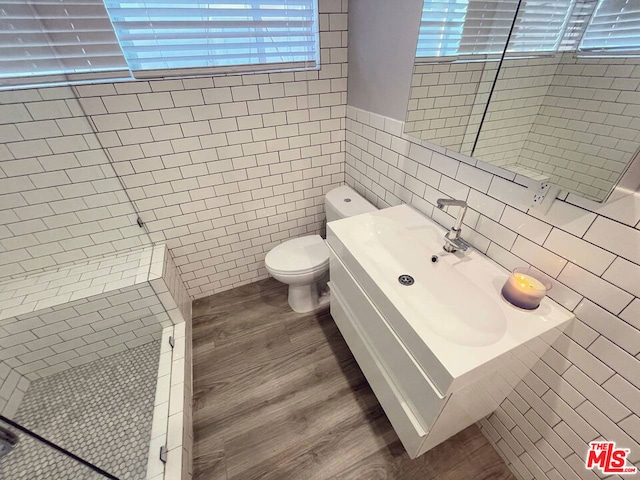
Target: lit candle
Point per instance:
(525, 290)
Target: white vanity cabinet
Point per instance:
(433, 372)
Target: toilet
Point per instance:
(303, 263)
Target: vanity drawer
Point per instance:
(401, 417)
(416, 389)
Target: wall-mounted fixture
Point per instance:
(550, 101)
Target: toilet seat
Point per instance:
(298, 256)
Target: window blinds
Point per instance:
(487, 25)
(467, 27)
(614, 27)
(441, 27)
(171, 34)
(576, 24)
(56, 38)
(540, 25)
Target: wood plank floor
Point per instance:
(277, 395)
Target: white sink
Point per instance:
(453, 319)
(439, 353)
(459, 311)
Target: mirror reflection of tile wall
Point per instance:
(569, 119)
(447, 101)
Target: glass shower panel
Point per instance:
(22, 456)
(80, 324)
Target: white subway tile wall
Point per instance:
(588, 385)
(180, 425)
(172, 425)
(13, 386)
(221, 169)
(224, 168)
(51, 340)
(571, 119)
(516, 101)
(87, 322)
(447, 102)
(60, 199)
(40, 290)
(174, 397)
(585, 133)
(160, 424)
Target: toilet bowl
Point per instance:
(300, 263)
(303, 262)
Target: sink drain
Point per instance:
(406, 280)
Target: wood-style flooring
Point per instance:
(278, 395)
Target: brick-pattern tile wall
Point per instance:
(13, 386)
(587, 128)
(177, 303)
(518, 95)
(40, 290)
(60, 199)
(447, 101)
(167, 284)
(570, 119)
(587, 386)
(221, 169)
(51, 340)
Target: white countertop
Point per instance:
(453, 319)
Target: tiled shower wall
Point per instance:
(51, 340)
(179, 391)
(588, 385)
(221, 169)
(516, 101)
(60, 200)
(586, 131)
(173, 403)
(13, 386)
(570, 118)
(447, 101)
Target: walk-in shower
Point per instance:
(91, 310)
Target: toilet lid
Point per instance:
(298, 255)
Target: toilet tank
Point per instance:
(343, 202)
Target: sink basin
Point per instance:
(393, 250)
(452, 318)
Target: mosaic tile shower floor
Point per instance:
(101, 411)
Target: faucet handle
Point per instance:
(455, 243)
(443, 202)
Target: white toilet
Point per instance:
(303, 262)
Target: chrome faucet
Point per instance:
(452, 240)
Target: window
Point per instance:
(614, 27)
(540, 25)
(487, 26)
(49, 41)
(473, 27)
(441, 28)
(576, 24)
(167, 35)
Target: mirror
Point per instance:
(569, 119)
(560, 104)
(447, 102)
(460, 45)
